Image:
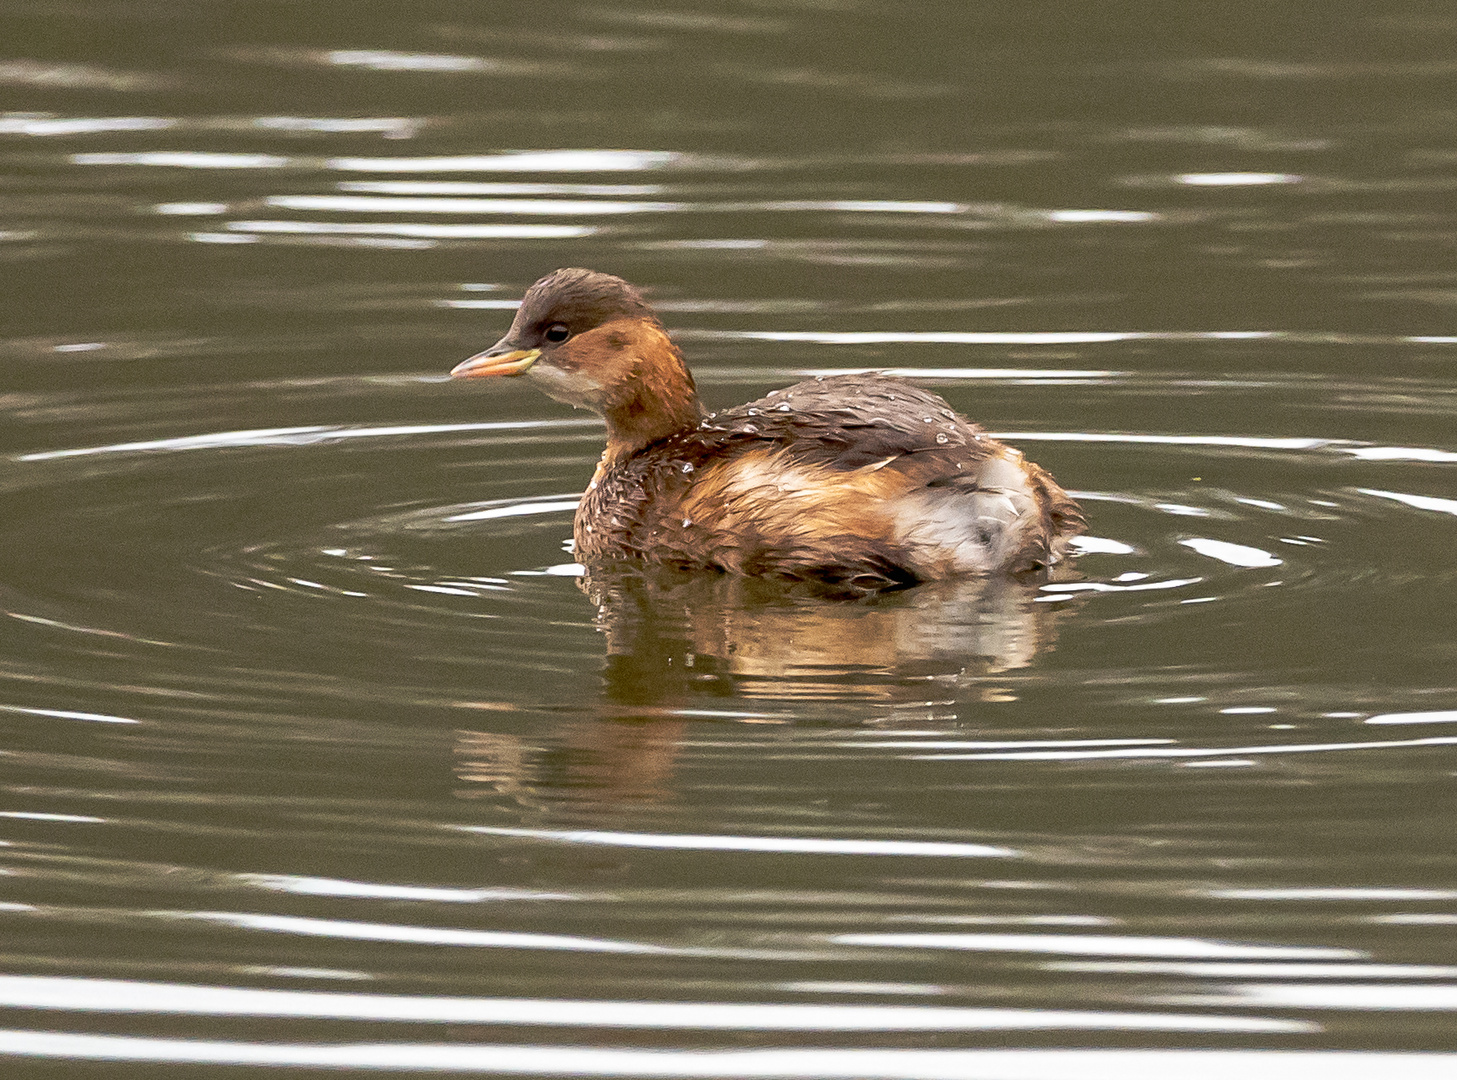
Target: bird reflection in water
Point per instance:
(686, 647)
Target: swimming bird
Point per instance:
(864, 480)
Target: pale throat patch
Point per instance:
(570, 387)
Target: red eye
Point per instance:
(556, 333)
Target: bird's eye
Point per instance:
(556, 333)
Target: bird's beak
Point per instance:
(500, 359)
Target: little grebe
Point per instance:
(862, 479)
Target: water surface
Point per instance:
(319, 751)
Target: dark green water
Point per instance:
(318, 755)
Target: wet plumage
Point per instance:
(862, 479)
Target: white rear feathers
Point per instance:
(950, 528)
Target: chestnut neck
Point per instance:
(656, 400)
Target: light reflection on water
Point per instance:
(1187, 751)
(421, 935)
(514, 1060)
(1327, 996)
(94, 995)
(798, 845)
(548, 161)
(1099, 945)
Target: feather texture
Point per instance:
(855, 477)
(863, 480)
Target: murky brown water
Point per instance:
(318, 754)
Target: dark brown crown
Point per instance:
(578, 299)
